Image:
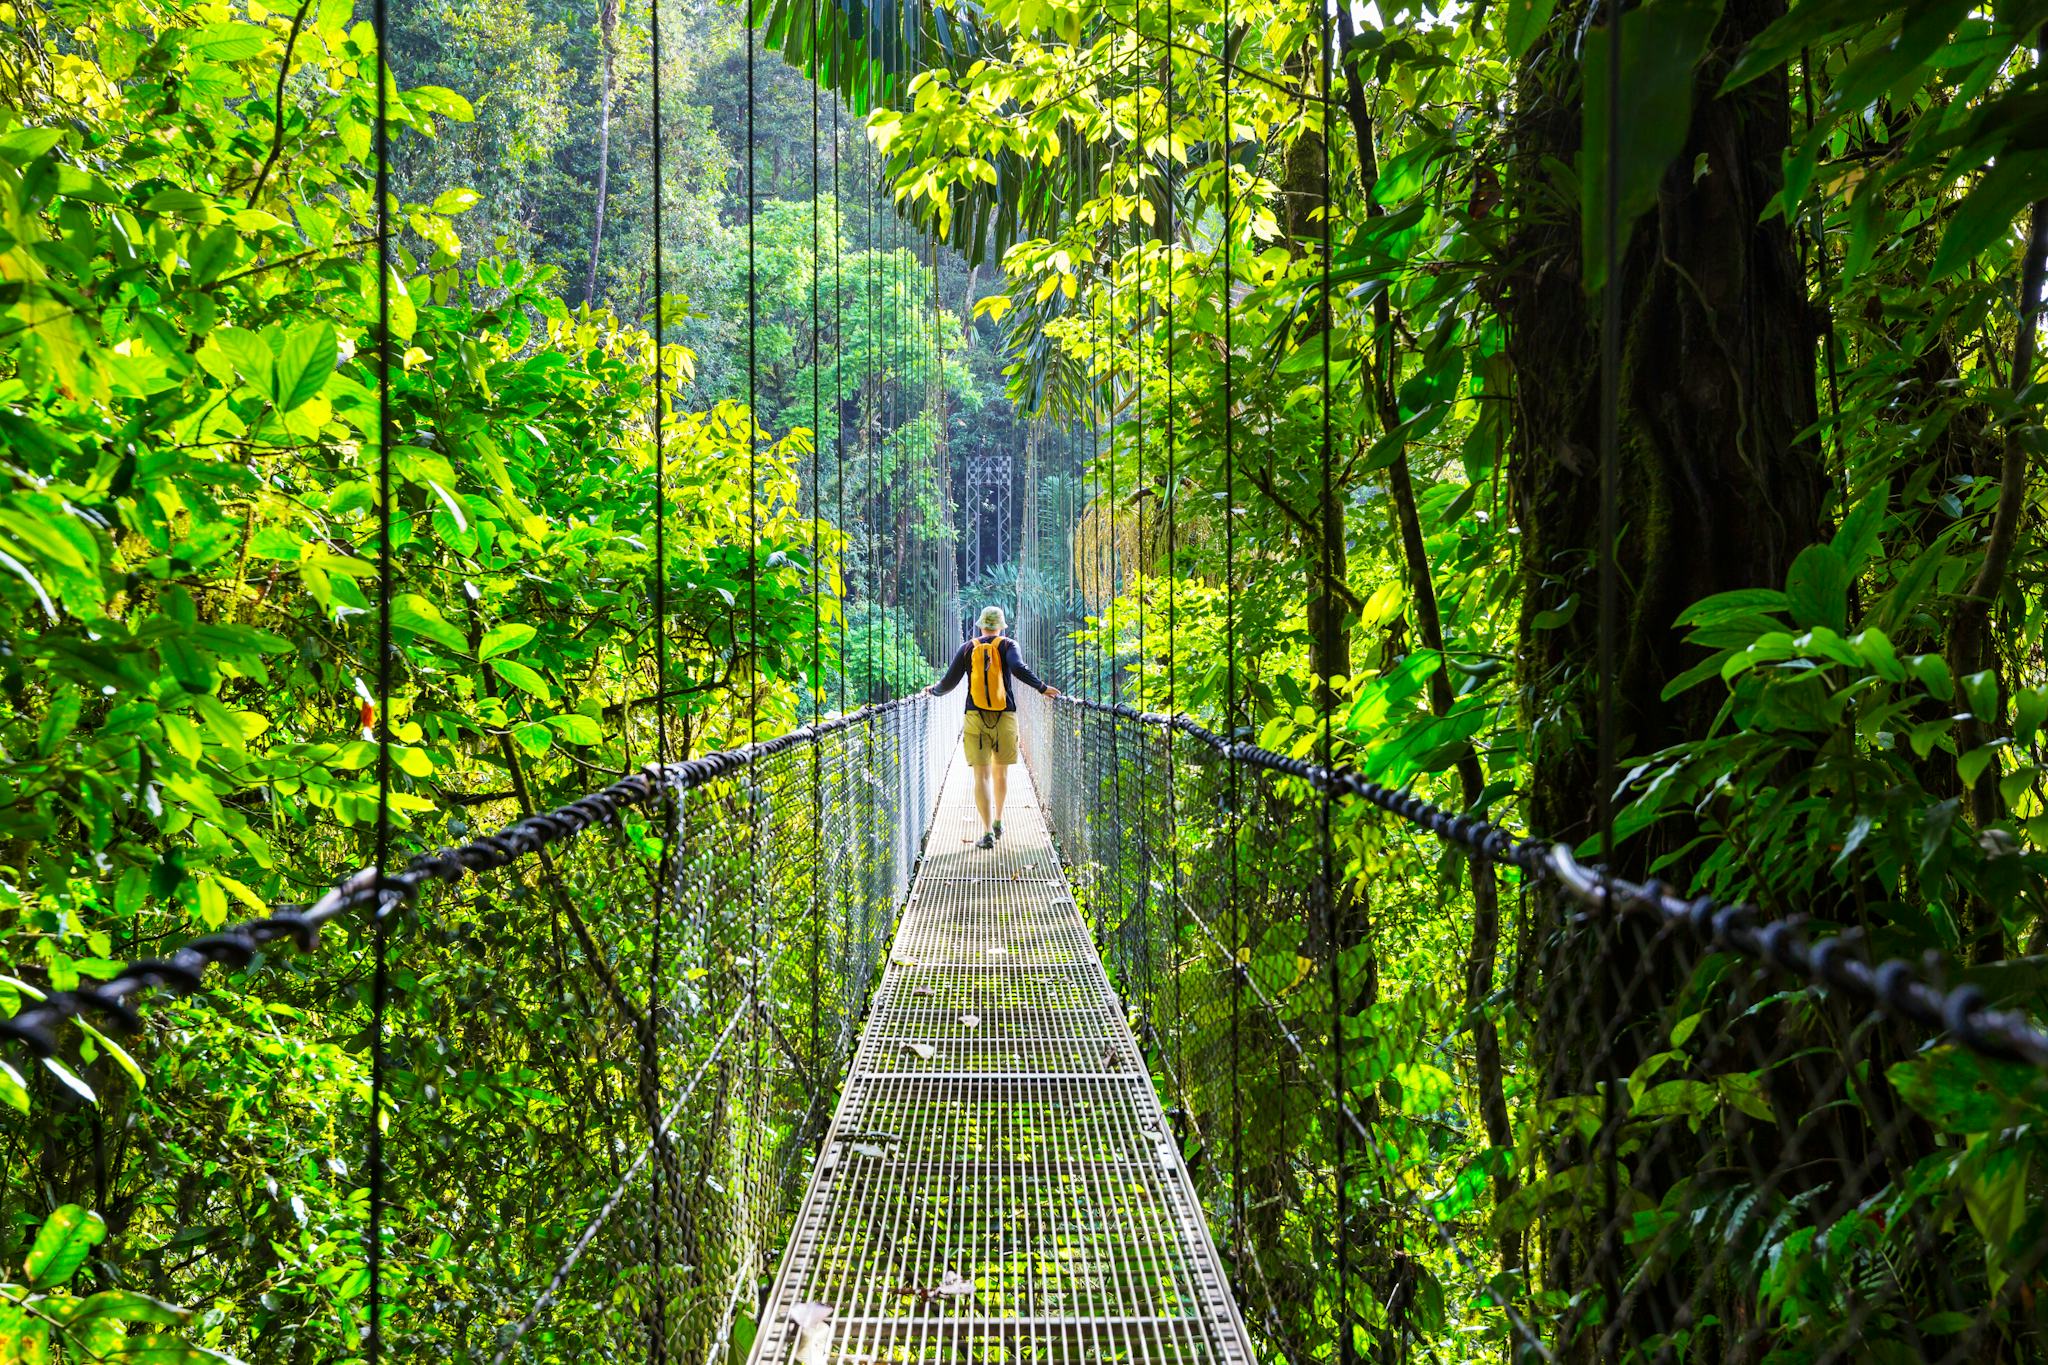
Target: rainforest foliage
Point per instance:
(1301, 318)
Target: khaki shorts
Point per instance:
(984, 740)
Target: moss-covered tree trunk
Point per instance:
(1716, 490)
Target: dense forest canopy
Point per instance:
(1305, 333)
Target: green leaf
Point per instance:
(1524, 22)
(452, 202)
(304, 362)
(1971, 765)
(1992, 208)
(183, 736)
(63, 1242)
(116, 1051)
(503, 639)
(23, 145)
(161, 1348)
(1858, 537)
(1740, 602)
(1550, 618)
(1875, 647)
(1980, 691)
(250, 355)
(115, 1305)
(2030, 712)
(1662, 42)
(1964, 1093)
(1817, 587)
(405, 319)
(1932, 671)
(13, 1087)
(524, 678)
(70, 1079)
(575, 728)
(59, 720)
(415, 615)
(228, 42)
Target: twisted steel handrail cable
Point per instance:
(183, 970)
(1831, 962)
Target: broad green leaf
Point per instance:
(1662, 41)
(13, 1087)
(575, 729)
(63, 1242)
(1993, 209)
(59, 720)
(114, 1050)
(304, 362)
(1932, 671)
(23, 145)
(534, 737)
(1970, 766)
(404, 317)
(415, 615)
(114, 1305)
(503, 639)
(1980, 690)
(251, 357)
(183, 736)
(161, 1348)
(2030, 712)
(1817, 588)
(70, 1080)
(228, 42)
(1523, 22)
(1964, 1093)
(524, 678)
(1857, 538)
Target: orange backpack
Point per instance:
(985, 685)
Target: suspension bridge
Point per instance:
(768, 1061)
(829, 1082)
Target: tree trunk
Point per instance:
(607, 39)
(1715, 488)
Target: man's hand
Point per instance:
(1051, 692)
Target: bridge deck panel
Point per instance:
(999, 1181)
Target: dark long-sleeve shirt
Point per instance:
(1014, 672)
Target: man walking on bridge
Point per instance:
(989, 736)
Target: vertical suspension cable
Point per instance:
(817, 683)
(753, 674)
(1138, 490)
(380, 931)
(1232, 724)
(839, 395)
(1327, 696)
(1610, 441)
(1172, 499)
(660, 1174)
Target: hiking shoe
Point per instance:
(985, 841)
(998, 830)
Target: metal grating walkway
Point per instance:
(999, 1182)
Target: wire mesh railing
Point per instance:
(636, 1010)
(1714, 1136)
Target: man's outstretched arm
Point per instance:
(1026, 676)
(955, 671)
